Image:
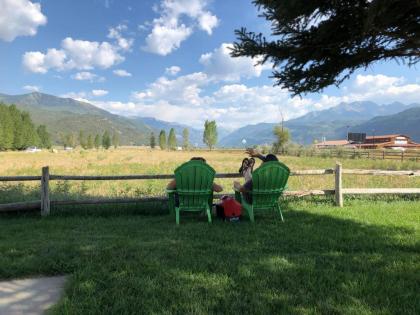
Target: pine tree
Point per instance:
(69, 140)
(186, 139)
(98, 141)
(115, 140)
(29, 135)
(152, 140)
(106, 140)
(172, 139)
(90, 142)
(210, 133)
(315, 44)
(6, 128)
(82, 139)
(44, 137)
(162, 139)
(17, 127)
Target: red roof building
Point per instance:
(394, 141)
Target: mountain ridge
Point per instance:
(64, 115)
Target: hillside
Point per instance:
(66, 115)
(355, 111)
(329, 123)
(406, 122)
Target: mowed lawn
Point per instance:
(360, 259)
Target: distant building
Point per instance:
(330, 144)
(33, 149)
(396, 142)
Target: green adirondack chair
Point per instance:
(268, 183)
(194, 187)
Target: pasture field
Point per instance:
(126, 161)
(130, 259)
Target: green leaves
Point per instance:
(210, 133)
(162, 140)
(17, 131)
(172, 140)
(315, 44)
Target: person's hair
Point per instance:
(198, 158)
(270, 157)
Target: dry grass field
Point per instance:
(126, 161)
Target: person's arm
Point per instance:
(245, 188)
(171, 185)
(254, 153)
(217, 187)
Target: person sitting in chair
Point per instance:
(172, 184)
(246, 170)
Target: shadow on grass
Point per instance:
(311, 264)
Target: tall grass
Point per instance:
(145, 161)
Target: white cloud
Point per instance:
(234, 105)
(32, 88)
(122, 73)
(74, 54)
(38, 62)
(207, 22)
(99, 92)
(172, 70)
(182, 90)
(170, 30)
(116, 33)
(164, 39)
(87, 76)
(19, 18)
(80, 96)
(220, 65)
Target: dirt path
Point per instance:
(29, 296)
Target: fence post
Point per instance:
(383, 155)
(45, 194)
(402, 156)
(338, 185)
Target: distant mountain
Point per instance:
(406, 122)
(355, 111)
(66, 115)
(329, 123)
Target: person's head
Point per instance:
(270, 157)
(198, 158)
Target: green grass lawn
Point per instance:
(360, 259)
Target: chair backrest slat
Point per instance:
(268, 183)
(194, 184)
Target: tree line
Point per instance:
(87, 142)
(171, 143)
(18, 132)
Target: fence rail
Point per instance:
(370, 154)
(44, 204)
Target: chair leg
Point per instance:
(209, 214)
(171, 203)
(177, 215)
(281, 214)
(251, 214)
(238, 196)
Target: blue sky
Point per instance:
(164, 58)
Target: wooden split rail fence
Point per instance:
(44, 204)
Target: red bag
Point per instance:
(231, 208)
